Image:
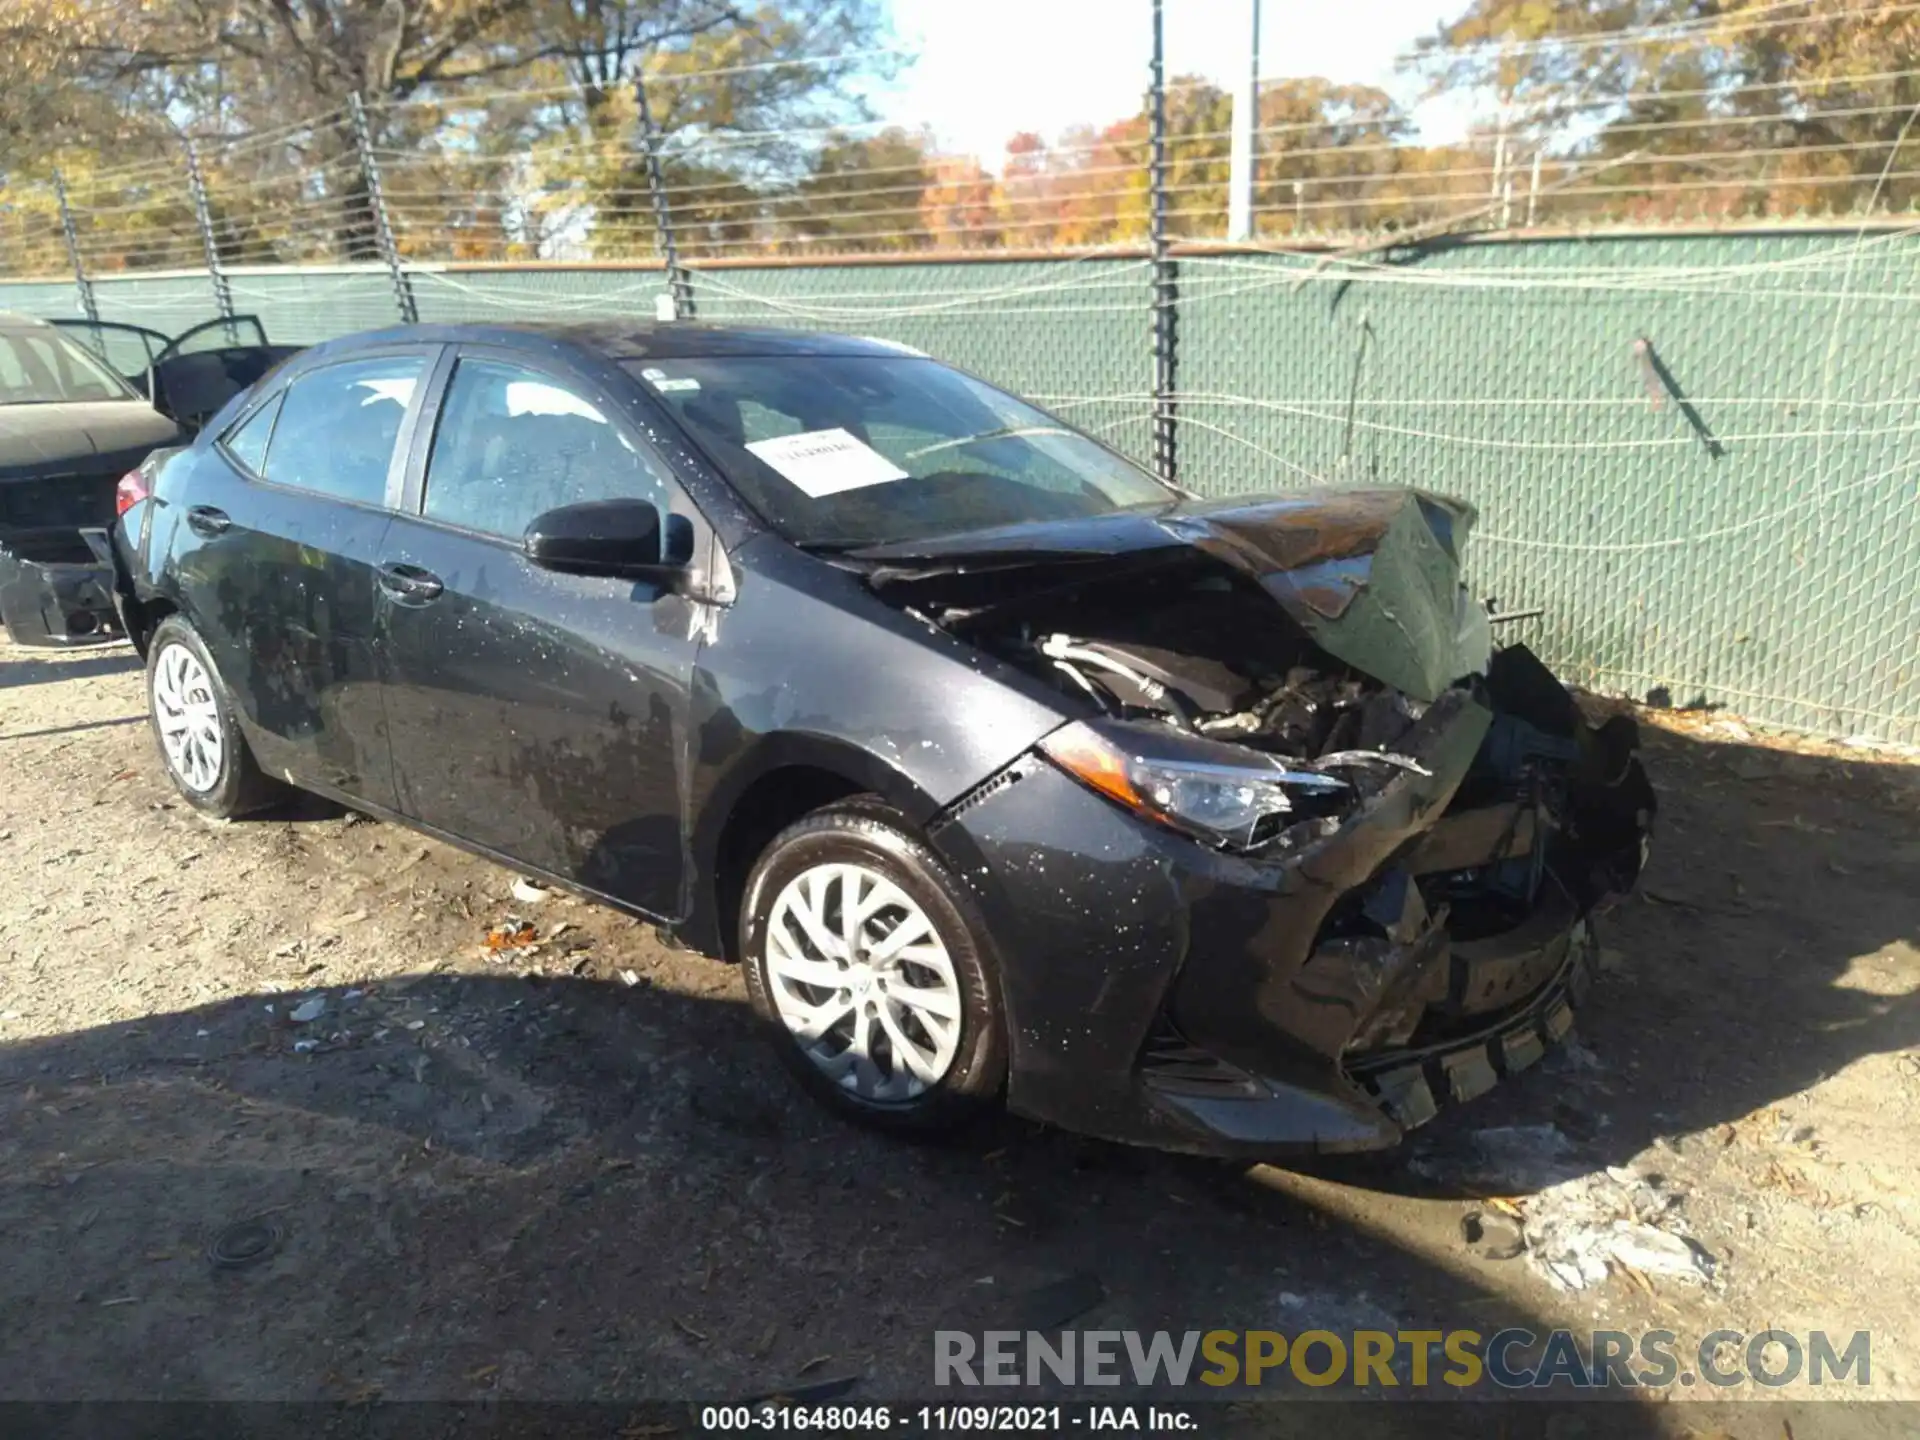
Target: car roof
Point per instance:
(632, 339)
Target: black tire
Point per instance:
(869, 834)
(239, 788)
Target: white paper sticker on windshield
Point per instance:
(667, 384)
(825, 462)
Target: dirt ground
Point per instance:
(574, 1172)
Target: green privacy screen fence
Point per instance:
(1696, 453)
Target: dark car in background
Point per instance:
(82, 403)
(1005, 770)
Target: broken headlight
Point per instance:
(1221, 794)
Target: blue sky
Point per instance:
(990, 68)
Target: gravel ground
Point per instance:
(572, 1171)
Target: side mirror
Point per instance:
(620, 538)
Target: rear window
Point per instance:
(43, 367)
(856, 450)
(337, 428)
(248, 440)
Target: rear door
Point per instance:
(540, 715)
(275, 557)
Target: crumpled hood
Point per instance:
(82, 436)
(1372, 576)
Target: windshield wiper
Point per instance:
(1005, 432)
(834, 547)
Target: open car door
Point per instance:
(203, 368)
(128, 350)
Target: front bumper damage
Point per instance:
(1335, 996)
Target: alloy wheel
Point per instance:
(863, 981)
(188, 717)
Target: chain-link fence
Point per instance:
(1659, 344)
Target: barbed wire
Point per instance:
(299, 189)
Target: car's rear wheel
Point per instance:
(867, 963)
(200, 743)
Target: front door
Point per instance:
(129, 350)
(287, 522)
(540, 715)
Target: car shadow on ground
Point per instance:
(469, 1187)
(482, 1185)
(20, 666)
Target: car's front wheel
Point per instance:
(865, 959)
(200, 742)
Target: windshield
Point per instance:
(840, 451)
(43, 367)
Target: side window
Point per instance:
(247, 441)
(512, 443)
(338, 427)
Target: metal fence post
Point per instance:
(679, 282)
(382, 222)
(85, 286)
(203, 213)
(1165, 271)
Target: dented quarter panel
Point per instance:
(807, 667)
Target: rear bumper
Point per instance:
(57, 587)
(1161, 993)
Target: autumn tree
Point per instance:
(961, 207)
(552, 149)
(861, 193)
(1662, 107)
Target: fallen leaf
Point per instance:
(697, 1334)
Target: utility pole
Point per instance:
(1243, 154)
(1165, 274)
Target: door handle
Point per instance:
(206, 520)
(409, 582)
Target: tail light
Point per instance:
(131, 490)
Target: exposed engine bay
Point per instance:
(1208, 654)
(1210, 657)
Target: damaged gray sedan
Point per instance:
(1007, 772)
